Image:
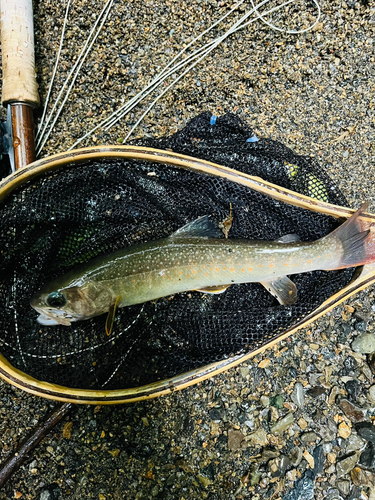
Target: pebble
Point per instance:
(297, 395)
(319, 460)
(235, 439)
(309, 458)
(354, 389)
(255, 475)
(344, 466)
(331, 457)
(283, 424)
(366, 431)
(344, 487)
(371, 394)
(309, 437)
(353, 412)
(354, 443)
(265, 401)
(303, 489)
(364, 343)
(277, 401)
(259, 437)
(295, 456)
(367, 458)
(344, 430)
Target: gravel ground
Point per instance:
(294, 423)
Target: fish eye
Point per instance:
(56, 299)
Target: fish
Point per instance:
(197, 257)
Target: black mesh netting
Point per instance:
(67, 217)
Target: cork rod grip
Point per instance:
(17, 46)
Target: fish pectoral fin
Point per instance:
(111, 317)
(213, 289)
(202, 227)
(283, 289)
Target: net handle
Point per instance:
(18, 60)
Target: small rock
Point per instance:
(309, 437)
(303, 489)
(355, 413)
(367, 458)
(284, 464)
(297, 395)
(265, 401)
(371, 394)
(346, 465)
(277, 401)
(364, 344)
(354, 389)
(269, 454)
(366, 431)
(215, 415)
(344, 487)
(335, 391)
(358, 476)
(333, 494)
(235, 439)
(259, 437)
(295, 456)
(283, 424)
(354, 443)
(327, 448)
(309, 458)
(316, 391)
(318, 460)
(292, 475)
(302, 423)
(332, 457)
(255, 475)
(264, 363)
(45, 495)
(344, 430)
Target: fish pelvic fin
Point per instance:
(358, 245)
(202, 227)
(111, 317)
(283, 289)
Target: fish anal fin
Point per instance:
(213, 289)
(283, 289)
(111, 317)
(202, 227)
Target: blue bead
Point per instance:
(253, 139)
(213, 120)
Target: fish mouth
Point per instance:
(51, 320)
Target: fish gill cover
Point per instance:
(59, 220)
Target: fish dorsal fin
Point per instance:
(213, 289)
(111, 317)
(288, 238)
(202, 227)
(283, 289)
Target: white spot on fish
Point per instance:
(162, 272)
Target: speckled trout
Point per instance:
(196, 257)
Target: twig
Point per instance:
(22, 453)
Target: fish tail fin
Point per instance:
(358, 248)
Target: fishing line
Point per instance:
(205, 50)
(76, 68)
(110, 340)
(54, 70)
(236, 27)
